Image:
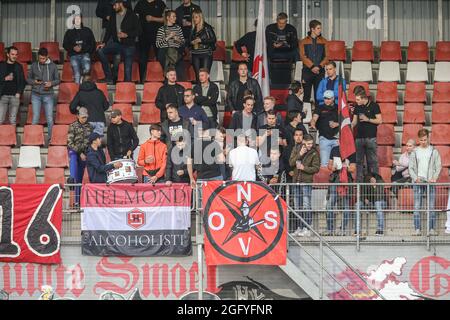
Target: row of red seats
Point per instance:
(53, 47)
(28, 176)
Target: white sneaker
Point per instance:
(433, 232)
(417, 232)
(307, 233)
(297, 232)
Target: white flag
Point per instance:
(260, 64)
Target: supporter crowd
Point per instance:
(190, 144)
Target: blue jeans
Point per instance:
(81, 65)
(325, 146)
(302, 196)
(127, 54)
(48, 101)
(334, 198)
(379, 206)
(98, 127)
(419, 192)
(76, 167)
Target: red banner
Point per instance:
(31, 218)
(245, 223)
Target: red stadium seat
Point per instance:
(385, 173)
(25, 52)
(134, 72)
(323, 176)
(4, 176)
(390, 51)
(410, 132)
(104, 88)
(415, 92)
(388, 112)
(387, 92)
(442, 51)
(53, 50)
(150, 91)
(67, 91)
(2, 52)
(362, 51)
(280, 95)
(125, 92)
(414, 113)
(235, 55)
(85, 177)
(220, 54)
(440, 134)
(227, 115)
(440, 112)
(385, 135)
(186, 85)
(188, 73)
(97, 72)
(67, 72)
(33, 135)
(149, 114)
(336, 50)
(59, 135)
(385, 156)
(443, 176)
(57, 157)
(63, 115)
(26, 176)
(444, 152)
(418, 51)
(25, 69)
(126, 109)
(441, 92)
(5, 157)
(351, 95)
(54, 176)
(42, 119)
(8, 135)
(155, 72)
(406, 199)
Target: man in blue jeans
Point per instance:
(326, 119)
(43, 76)
(424, 167)
(120, 38)
(373, 197)
(77, 143)
(366, 118)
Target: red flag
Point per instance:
(346, 139)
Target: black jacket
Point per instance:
(248, 41)
(103, 10)
(165, 134)
(121, 138)
(173, 166)
(237, 121)
(253, 86)
(169, 94)
(211, 97)
(130, 25)
(295, 104)
(271, 37)
(83, 36)
(180, 14)
(373, 192)
(208, 38)
(93, 99)
(20, 77)
(96, 165)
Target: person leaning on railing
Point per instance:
(306, 162)
(373, 197)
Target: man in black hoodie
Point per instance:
(12, 85)
(184, 17)
(94, 100)
(170, 92)
(122, 139)
(120, 38)
(79, 43)
(282, 41)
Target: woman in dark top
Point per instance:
(202, 43)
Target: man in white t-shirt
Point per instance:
(244, 161)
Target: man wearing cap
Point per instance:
(153, 156)
(326, 119)
(120, 38)
(122, 138)
(77, 143)
(96, 160)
